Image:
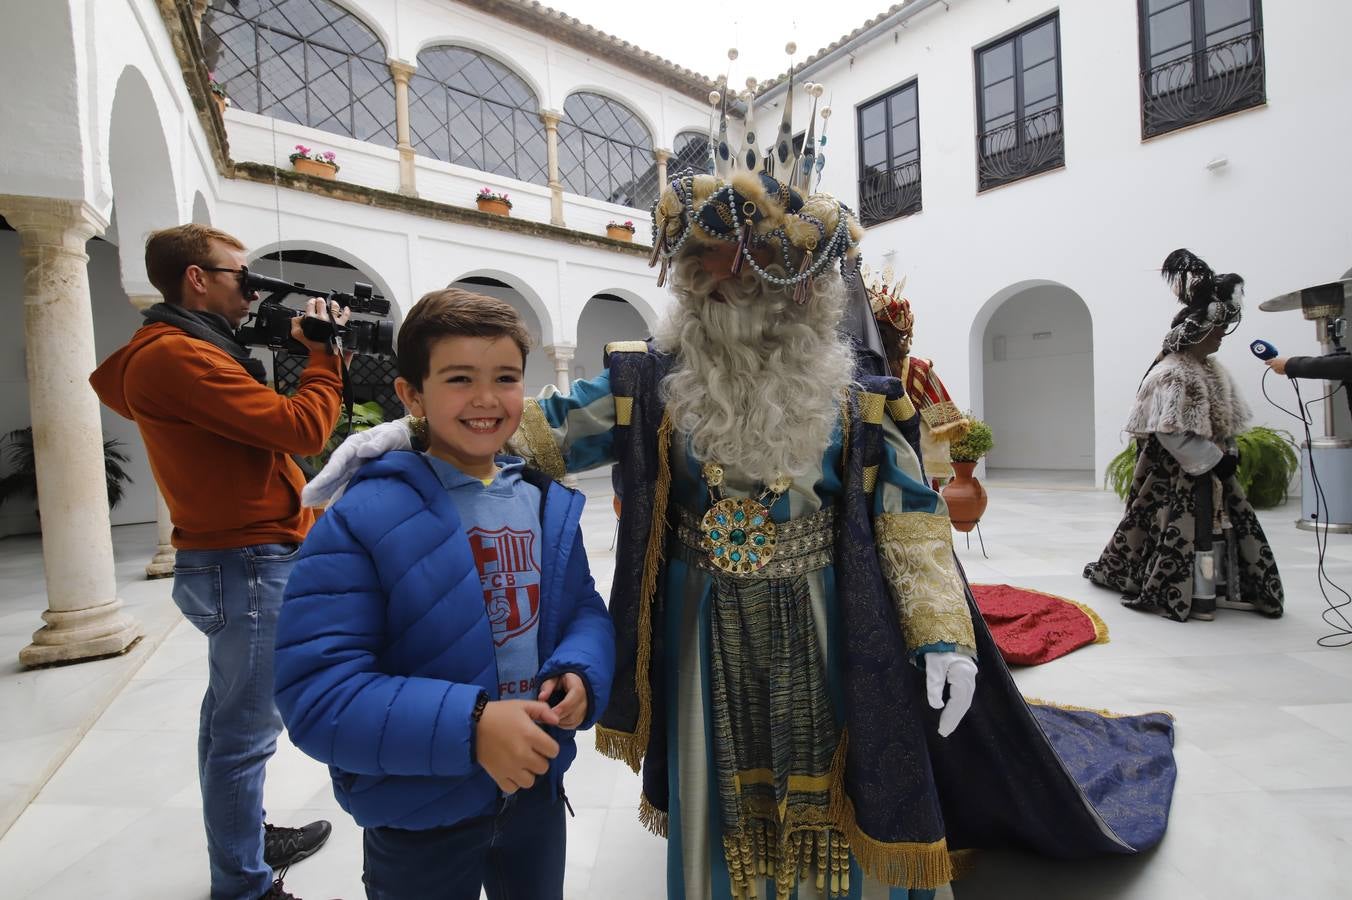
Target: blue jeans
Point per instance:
(233, 597)
(514, 854)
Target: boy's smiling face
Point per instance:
(472, 398)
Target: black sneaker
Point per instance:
(284, 847)
(277, 892)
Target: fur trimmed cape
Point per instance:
(1182, 394)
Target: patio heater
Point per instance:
(1330, 456)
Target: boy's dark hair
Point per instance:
(170, 251)
(452, 312)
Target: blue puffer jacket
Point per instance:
(383, 644)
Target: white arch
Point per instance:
(548, 327)
(144, 189)
(976, 341)
(494, 53)
(378, 281)
(649, 313)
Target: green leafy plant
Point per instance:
(22, 478)
(975, 444)
(1267, 462)
(364, 416)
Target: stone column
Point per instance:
(84, 615)
(161, 565)
(402, 72)
(562, 354)
(551, 120)
(662, 155)
(199, 9)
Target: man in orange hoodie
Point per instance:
(220, 443)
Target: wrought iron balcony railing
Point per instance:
(890, 193)
(1232, 77)
(1024, 147)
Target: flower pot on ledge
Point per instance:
(965, 497)
(219, 100)
(616, 233)
(494, 207)
(315, 167)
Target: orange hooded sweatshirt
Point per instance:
(218, 441)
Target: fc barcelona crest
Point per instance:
(510, 579)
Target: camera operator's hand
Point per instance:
(1277, 364)
(315, 307)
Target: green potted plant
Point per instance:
(1267, 462)
(217, 93)
(22, 478)
(965, 496)
(364, 416)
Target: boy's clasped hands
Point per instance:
(512, 747)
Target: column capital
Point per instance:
(144, 301)
(401, 71)
(551, 118)
(661, 154)
(51, 221)
(561, 353)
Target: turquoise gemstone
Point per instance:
(738, 516)
(738, 537)
(758, 520)
(752, 557)
(721, 519)
(759, 540)
(718, 551)
(715, 535)
(736, 556)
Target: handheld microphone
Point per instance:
(1263, 350)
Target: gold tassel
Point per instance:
(803, 289)
(662, 273)
(743, 247)
(659, 246)
(652, 818)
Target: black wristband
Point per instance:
(479, 706)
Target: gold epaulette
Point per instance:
(626, 347)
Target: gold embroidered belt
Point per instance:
(802, 545)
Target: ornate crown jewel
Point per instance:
(887, 302)
(758, 210)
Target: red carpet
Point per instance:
(1032, 628)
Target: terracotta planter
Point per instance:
(965, 496)
(219, 100)
(494, 207)
(619, 234)
(316, 168)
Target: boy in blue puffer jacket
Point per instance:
(441, 638)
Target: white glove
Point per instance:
(959, 672)
(350, 455)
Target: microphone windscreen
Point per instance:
(1263, 350)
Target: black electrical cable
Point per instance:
(1342, 628)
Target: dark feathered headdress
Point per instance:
(1209, 300)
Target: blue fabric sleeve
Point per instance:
(339, 708)
(582, 423)
(587, 643)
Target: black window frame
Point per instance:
(882, 196)
(1027, 156)
(1233, 89)
(577, 177)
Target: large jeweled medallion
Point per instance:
(738, 535)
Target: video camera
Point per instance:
(271, 325)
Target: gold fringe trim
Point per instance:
(898, 864)
(652, 563)
(621, 745)
(1107, 714)
(950, 432)
(544, 452)
(651, 817)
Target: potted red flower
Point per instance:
(620, 231)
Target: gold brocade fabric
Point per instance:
(534, 441)
(916, 551)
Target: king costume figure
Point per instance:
(787, 605)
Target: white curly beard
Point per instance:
(758, 378)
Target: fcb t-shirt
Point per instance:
(502, 521)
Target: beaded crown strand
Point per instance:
(773, 210)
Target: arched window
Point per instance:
(305, 61)
(605, 151)
(470, 109)
(690, 150)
